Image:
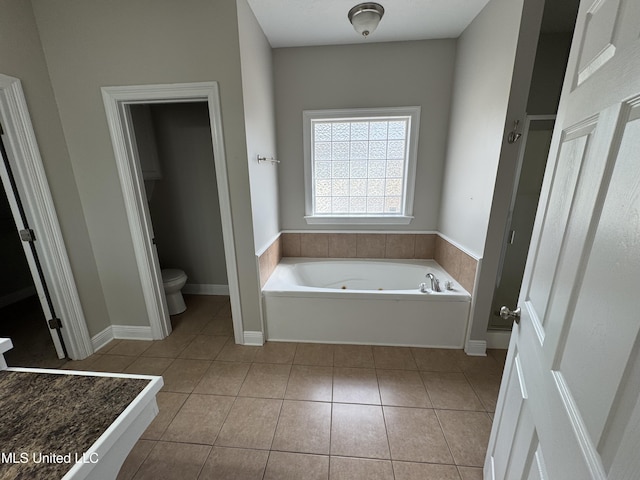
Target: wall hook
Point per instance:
(514, 136)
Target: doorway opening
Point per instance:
(122, 104)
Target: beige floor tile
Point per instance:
(112, 363)
(199, 420)
(467, 434)
(451, 391)
(191, 321)
(223, 378)
(237, 353)
(130, 347)
(303, 427)
(219, 326)
(402, 388)
(168, 461)
(171, 346)
(84, 364)
(169, 404)
(149, 365)
(108, 347)
(276, 352)
(136, 457)
(251, 423)
(437, 359)
(424, 471)
(394, 358)
(342, 468)
(234, 464)
(310, 383)
(487, 387)
(265, 380)
(204, 347)
(470, 473)
(358, 431)
(355, 385)
(415, 435)
(183, 375)
(314, 354)
(353, 356)
(486, 364)
(296, 466)
(499, 355)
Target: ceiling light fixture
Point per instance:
(365, 17)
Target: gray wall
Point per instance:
(484, 67)
(21, 56)
(360, 76)
(259, 115)
(89, 44)
(184, 205)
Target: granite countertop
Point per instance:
(43, 415)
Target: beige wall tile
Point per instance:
(425, 246)
(342, 245)
(457, 263)
(370, 245)
(290, 244)
(315, 245)
(400, 246)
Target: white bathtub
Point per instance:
(364, 301)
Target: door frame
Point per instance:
(20, 143)
(115, 101)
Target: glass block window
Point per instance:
(361, 163)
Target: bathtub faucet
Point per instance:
(435, 283)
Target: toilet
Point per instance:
(173, 280)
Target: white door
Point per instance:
(569, 404)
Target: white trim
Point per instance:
(476, 348)
(268, 244)
(253, 338)
(129, 332)
(367, 232)
(14, 297)
(473, 255)
(20, 142)
(356, 220)
(115, 101)
(101, 339)
(205, 289)
(121, 332)
(498, 338)
(413, 112)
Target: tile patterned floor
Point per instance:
(304, 411)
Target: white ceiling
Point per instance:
(296, 23)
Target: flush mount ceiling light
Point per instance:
(365, 17)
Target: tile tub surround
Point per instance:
(424, 246)
(269, 259)
(201, 435)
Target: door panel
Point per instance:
(577, 346)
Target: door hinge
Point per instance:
(55, 323)
(27, 235)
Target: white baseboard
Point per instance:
(122, 332)
(253, 338)
(476, 348)
(498, 338)
(14, 297)
(205, 289)
(101, 339)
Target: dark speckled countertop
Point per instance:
(55, 414)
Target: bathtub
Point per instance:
(375, 302)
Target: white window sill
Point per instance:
(386, 220)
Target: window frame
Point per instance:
(411, 160)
